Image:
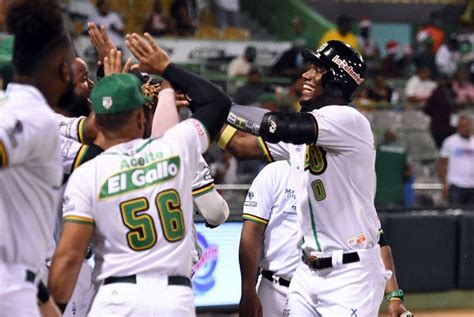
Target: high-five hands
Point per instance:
(100, 39)
(113, 63)
(152, 58)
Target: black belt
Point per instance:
(30, 276)
(316, 263)
(172, 280)
(269, 275)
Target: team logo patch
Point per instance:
(107, 102)
(203, 278)
(250, 195)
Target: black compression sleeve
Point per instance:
(382, 240)
(296, 128)
(208, 102)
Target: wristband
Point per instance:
(226, 136)
(396, 295)
(62, 307)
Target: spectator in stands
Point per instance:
(379, 91)
(440, 106)
(368, 46)
(228, 13)
(252, 90)
(463, 88)
(291, 62)
(456, 166)
(181, 22)
(448, 58)
(431, 34)
(157, 23)
(240, 66)
(110, 20)
(393, 171)
(419, 87)
(342, 32)
(407, 63)
(300, 33)
(389, 64)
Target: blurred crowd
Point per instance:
(433, 74)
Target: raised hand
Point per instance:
(113, 63)
(152, 58)
(100, 39)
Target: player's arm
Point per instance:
(250, 252)
(77, 233)
(274, 127)
(46, 303)
(395, 306)
(243, 146)
(442, 172)
(212, 207)
(67, 259)
(166, 114)
(209, 104)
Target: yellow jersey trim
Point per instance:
(79, 219)
(3, 155)
(203, 190)
(254, 218)
(81, 131)
(79, 157)
(264, 149)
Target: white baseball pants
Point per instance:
(352, 290)
(272, 297)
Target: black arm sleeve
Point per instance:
(43, 294)
(296, 128)
(208, 102)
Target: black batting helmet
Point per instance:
(345, 68)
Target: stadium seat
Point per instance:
(235, 34)
(207, 32)
(415, 119)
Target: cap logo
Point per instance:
(348, 69)
(322, 47)
(107, 102)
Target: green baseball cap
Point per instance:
(117, 93)
(6, 64)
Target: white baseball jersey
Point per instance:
(271, 201)
(30, 176)
(335, 181)
(460, 154)
(138, 196)
(71, 128)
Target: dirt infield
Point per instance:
(441, 313)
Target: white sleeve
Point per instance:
(22, 141)
(274, 151)
(71, 128)
(69, 153)
(212, 207)
(410, 88)
(78, 197)
(342, 128)
(260, 198)
(203, 181)
(445, 149)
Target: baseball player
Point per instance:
(144, 249)
(332, 156)
(269, 240)
(30, 169)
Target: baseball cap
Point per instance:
(117, 93)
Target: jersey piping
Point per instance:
(203, 190)
(264, 149)
(254, 218)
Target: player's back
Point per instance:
(142, 208)
(30, 176)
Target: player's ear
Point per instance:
(140, 118)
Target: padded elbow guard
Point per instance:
(296, 128)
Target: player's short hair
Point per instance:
(113, 121)
(38, 29)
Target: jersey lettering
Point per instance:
(140, 177)
(315, 160)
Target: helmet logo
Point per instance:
(348, 69)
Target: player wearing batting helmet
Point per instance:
(331, 149)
